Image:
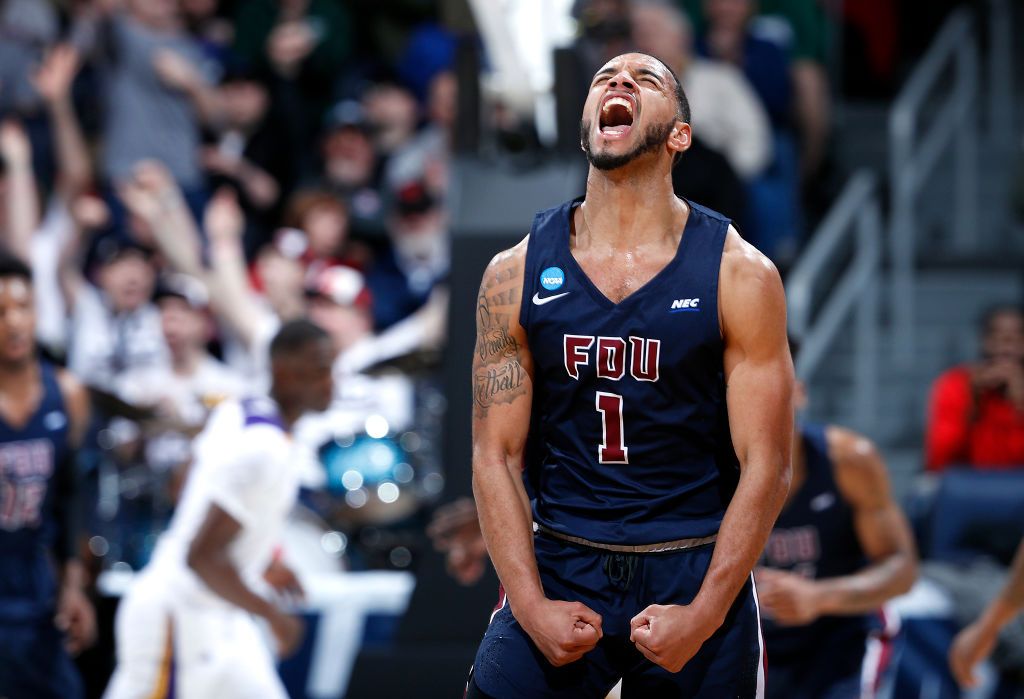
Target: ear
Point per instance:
(680, 139)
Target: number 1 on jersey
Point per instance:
(612, 449)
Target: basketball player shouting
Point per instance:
(645, 343)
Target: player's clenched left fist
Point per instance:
(669, 635)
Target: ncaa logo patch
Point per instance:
(552, 278)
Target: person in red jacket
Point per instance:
(976, 412)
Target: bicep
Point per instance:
(502, 363)
(216, 532)
(881, 527)
(758, 367)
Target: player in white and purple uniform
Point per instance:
(197, 597)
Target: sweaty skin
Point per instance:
(627, 229)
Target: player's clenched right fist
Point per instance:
(563, 631)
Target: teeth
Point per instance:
(618, 100)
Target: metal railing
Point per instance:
(1000, 73)
(915, 153)
(856, 215)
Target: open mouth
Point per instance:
(616, 116)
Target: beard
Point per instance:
(654, 138)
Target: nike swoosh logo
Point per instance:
(538, 301)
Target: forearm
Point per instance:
(260, 187)
(22, 209)
(229, 290)
(507, 525)
(75, 171)
(177, 237)
(812, 108)
(1010, 600)
(742, 536)
(868, 589)
(217, 572)
(73, 574)
(206, 102)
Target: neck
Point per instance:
(15, 376)
(290, 412)
(186, 360)
(630, 206)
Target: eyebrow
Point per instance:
(610, 70)
(652, 73)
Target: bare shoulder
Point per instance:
(743, 264)
(749, 287)
(859, 468)
(501, 289)
(76, 401)
(506, 266)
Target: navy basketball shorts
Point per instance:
(618, 587)
(854, 668)
(34, 664)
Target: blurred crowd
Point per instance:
(183, 176)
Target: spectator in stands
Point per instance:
(184, 391)
(156, 93)
(976, 411)
(403, 278)
(323, 218)
(775, 216)
(53, 79)
(725, 112)
(213, 31)
(426, 157)
(302, 46)
(731, 135)
(114, 325)
(604, 29)
(350, 166)
(250, 151)
(26, 27)
(393, 115)
(341, 303)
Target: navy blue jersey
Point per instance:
(631, 442)
(815, 537)
(33, 464)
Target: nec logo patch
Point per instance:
(685, 305)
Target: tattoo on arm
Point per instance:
(498, 374)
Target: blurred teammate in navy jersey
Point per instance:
(641, 344)
(840, 549)
(44, 611)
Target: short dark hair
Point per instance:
(990, 314)
(11, 266)
(682, 104)
(294, 336)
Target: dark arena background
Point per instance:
(182, 177)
